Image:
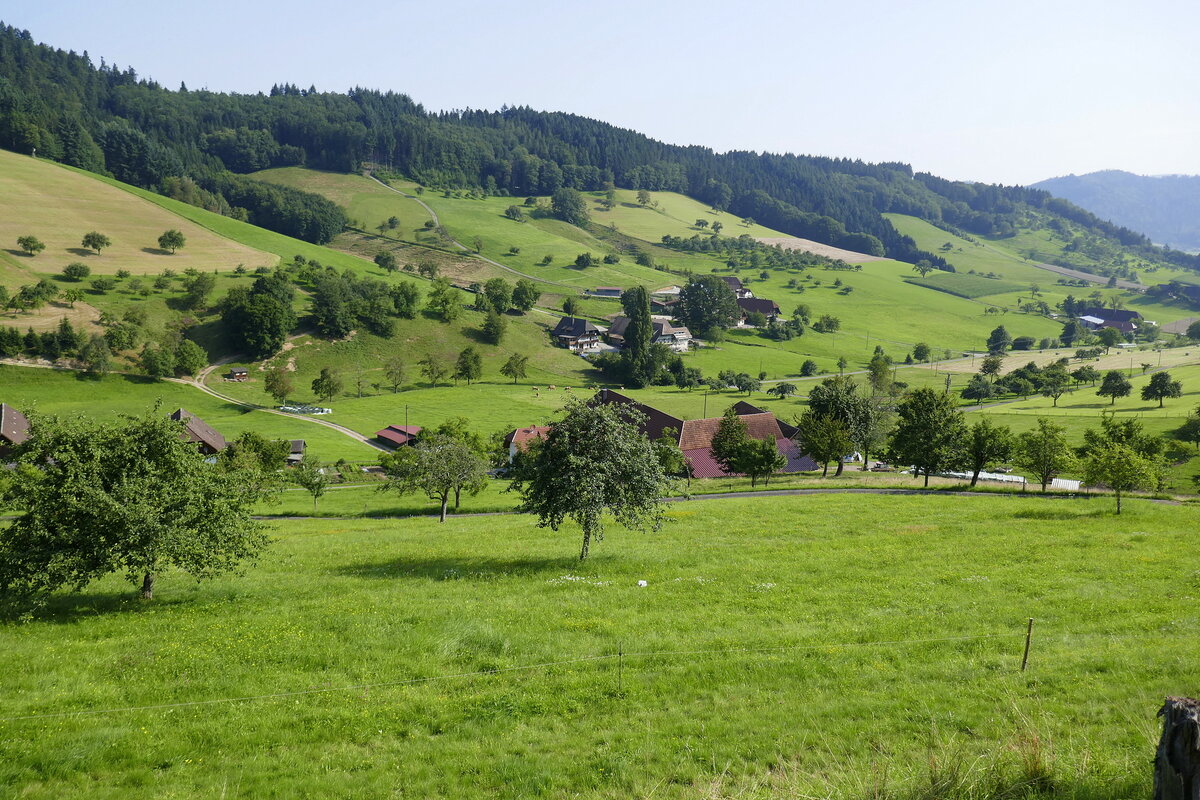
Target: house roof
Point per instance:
(749, 305)
(521, 437)
(239, 370)
(574, 327)
(742, 409)
(14, 426)
(1111, 314)
(199, 431)
(658, 327)
(296, 446)
(698, 433)
(656, 421)
(703, 465)
(608, 289)
(1123, 327)
(398, 434)
(734, 281)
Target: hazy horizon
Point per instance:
(1002, 93)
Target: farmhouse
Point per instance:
(663, 332)
(519, 439)
(749, 305)
(739, 290)
(238, 374)
(694, 437)
(398, 435)
(197, 430)
(576, 334)
(296, 449)
(14, 428)
(1120, 319)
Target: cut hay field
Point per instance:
(964, 285)
(59, 205)
(832, 646)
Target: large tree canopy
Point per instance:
(133, 497)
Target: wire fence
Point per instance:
(620, 656)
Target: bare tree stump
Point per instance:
(1177, 760)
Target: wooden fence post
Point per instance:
(1177, 760)
(1028, 641)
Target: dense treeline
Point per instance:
(106, 119)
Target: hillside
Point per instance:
(1164, 207)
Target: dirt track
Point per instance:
(829, 251)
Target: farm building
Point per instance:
(1122, 320)
(14, 428)
(519, 439)
(739, 289)
(238, 374)
(607, 291)
(694, 436)
(197, 430)
(663, 332)
(296, 450)
(576, 334)
(750, 305)
(398, 435)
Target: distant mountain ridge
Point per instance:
(1165, 207)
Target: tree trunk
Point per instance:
(314, 504)
(1044, 485)
(841, 466)
(975, 477)
(926, 479)
(825, 471)
(457, 497)
(1118, 501)
(148, 586)
(587, 539)
(753, 480)
(445, 502)
(866, 460)
(1177, 760)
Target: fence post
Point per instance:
(1028, 641)
(1177, 759)
(620, 668)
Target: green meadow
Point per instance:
(831, 646)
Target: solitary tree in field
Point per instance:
(643, 198)
(986, 444)
(327, 385)
(386, 261)
(469, 366)
(438, 465)
(434, 369)
(1114, 385)
(310, 476)
(515, 367)
(94, 240)
(278, 383)
(1121, 469)
(592, 462)
(783, 390)
(132, 497)
(76, 271)
(1044, 452)
(930, 433)
(1161, 386)
(924, 267)
(171, 240)
(30, 244)
(1055, 382)
(396, 372)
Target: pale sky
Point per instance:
(1009, 92)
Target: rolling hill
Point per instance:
(1164, 207)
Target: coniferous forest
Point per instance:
(197, 146)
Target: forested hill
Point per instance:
(1166, 207)
(197, 145)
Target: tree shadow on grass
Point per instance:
(81, 251)
(481, 568)
(157, 251)
(1061, 513)
(17, 253)
(67, 608)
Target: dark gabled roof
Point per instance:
(656, 421)
(14, 426)
(1111, 314)
(199, 431)
(657, 328)
(296, 446)
(239, 370)
(749, 305)
(574, 327)
(734, 281)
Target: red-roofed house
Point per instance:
(398, 435)
(519, 439)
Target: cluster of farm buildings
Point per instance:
(583, 336)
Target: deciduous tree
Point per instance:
(1044, 452)
(1119, 468)
(515, 367)
(439, 466)
(469, 366)
(986, 444)
(31, 245)
(1114, 385)
(929, 434)
(170, 240)
(327, 385)
(1161, 386)
(94, 240)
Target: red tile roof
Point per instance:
(399, 435)
(522, 436)
(697, 433)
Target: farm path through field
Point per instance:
(463, 247)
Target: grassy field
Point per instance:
(59, 205)
(964, 285)
(752, 664)
(70, 393)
